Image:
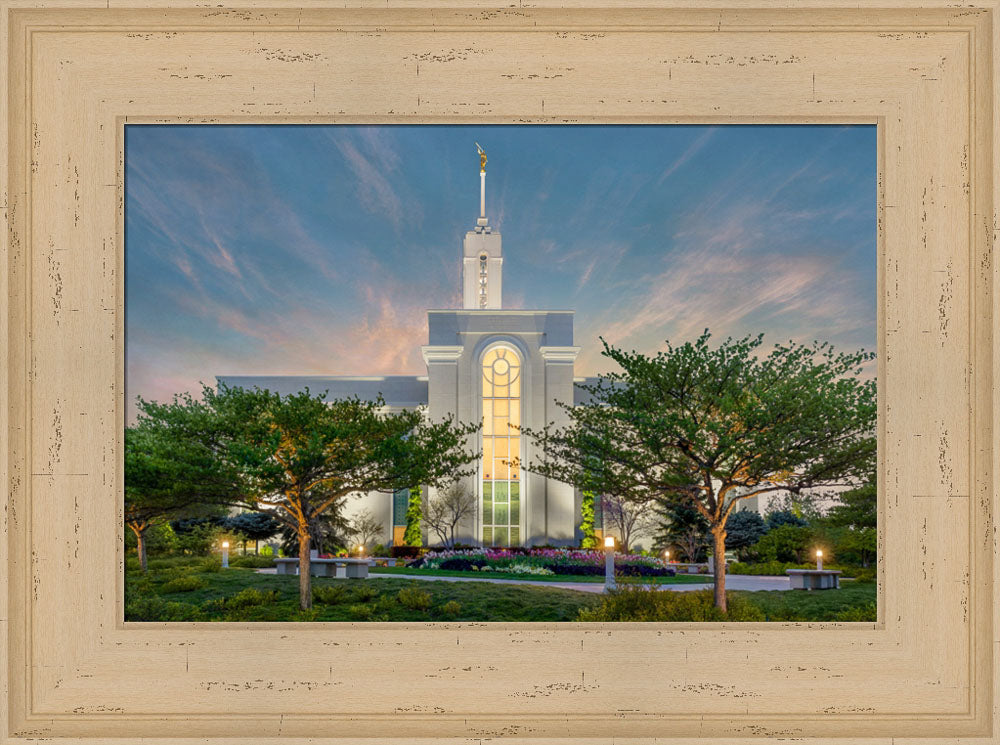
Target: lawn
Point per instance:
(244, 595)
(198, 590)
(680, 579)
(854, 601)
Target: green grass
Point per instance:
(206, 593)
(678, 580)
(382, 599)
(854, 601)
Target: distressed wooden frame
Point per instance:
(77, 70)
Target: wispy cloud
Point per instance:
(317, 250)
(684, 158)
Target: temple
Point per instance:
(505, 368)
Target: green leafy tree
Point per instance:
(784, 517)
(716, 425)
(857, 513)
(413, 536)
(168, 474)
(256, 526)
(787, 543)
(681, 525)
(587, 513)
(303, 454)
(744, 528)
(856, 508)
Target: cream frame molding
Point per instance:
(78, 70)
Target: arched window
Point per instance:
(501, 447)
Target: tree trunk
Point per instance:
(140, 539)
(256, 547)
(719, 553)
(305, 587)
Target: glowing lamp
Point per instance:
(609, 541)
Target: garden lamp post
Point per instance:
(225, 554)
(666, 555)
(819, 558)
(609, 563)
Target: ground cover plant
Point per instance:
(854, 602)
(193, 589)
(240, 594)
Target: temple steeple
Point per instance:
(482, 259)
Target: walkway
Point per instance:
(733, 582)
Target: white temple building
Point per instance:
(505, 368)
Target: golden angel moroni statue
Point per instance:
(482, 158)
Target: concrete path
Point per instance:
(733, 582)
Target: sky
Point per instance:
(310, 250)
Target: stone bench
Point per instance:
(342, 568)
(814, 579)
(382, 561)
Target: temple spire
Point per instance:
(482, 185)
(482, 258)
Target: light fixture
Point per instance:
(609, 541)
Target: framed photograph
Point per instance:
(129, 128)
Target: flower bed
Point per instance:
(520, 560)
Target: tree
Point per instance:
(784, 517)
(787, 543)
(256, 526)
(447, 509)
(413, 535)
(627, 518)
(299, 455)
(168, 475)
(717, 425)
(857, 508)
(365, 527)
(328, 532)
(857, 511)
(587, 513)
(744, 528)
(682, 525)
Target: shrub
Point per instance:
(329, 595)
(864, 575)
(365, 593)
(789, 543)
(638, 603)
(251, 596)
(622, 570)
(186, 583)
(404, 552)
(252, 561)
(459, 564)
(361, 612)
(209, 565)
(414, 598)
(155, 609)
(766, 568)
(866, 612)
(451, 608)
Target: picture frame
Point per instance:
(79, 71)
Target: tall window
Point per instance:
(501, 447)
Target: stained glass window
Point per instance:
(501, 447)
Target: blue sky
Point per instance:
(317, 249)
